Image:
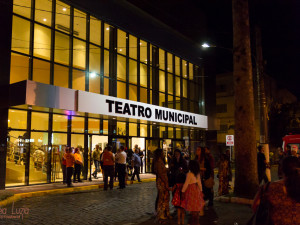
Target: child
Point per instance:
(192, 189)
(177, 195)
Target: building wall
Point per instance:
(57, 44)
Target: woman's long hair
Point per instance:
(194, 167)
(157, 155)
(202, 154)
(291, 170)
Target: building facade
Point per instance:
(71, 78)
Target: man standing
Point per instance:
(108, 160)
(136, 164)
(261, 165)
(209, 164)
(70, 160)
(96, 157)
(121, 159)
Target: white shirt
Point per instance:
(121, 157)
(191, 179)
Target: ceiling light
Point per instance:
(64, 9)
(140, 43)
(107, 28)
(120, 49)
(44, 19)
(93, 74)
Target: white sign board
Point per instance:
(112, 106)
(229, 140)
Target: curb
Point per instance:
(236, 200)
(18, 197)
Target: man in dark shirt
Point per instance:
(261, 165)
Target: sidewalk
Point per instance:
(60, 188)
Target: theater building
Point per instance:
(71, 76)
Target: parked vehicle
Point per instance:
(291, 140)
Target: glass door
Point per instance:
(59, 143)
(95, 140)
(140, 144)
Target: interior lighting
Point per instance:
(93, 74)
(44, 19)
(140, 43)
(121, 50)
(64, 9)
(107, 28)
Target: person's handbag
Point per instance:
(209, 183)
(262, 214)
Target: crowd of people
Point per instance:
(190, 182)
(113, 166)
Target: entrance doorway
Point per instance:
(140, 143)
(93, 141)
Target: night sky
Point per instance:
(279, 20)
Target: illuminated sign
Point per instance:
(112, 106)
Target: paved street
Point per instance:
(133, 205)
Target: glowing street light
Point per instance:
(205, 45)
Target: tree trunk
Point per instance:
(246, 180)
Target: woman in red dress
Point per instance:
(193, 196)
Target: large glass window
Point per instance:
(62, 17)
(143, 75)
(19, 67)
(61, 76)
(42, 42)
(184, 69)
(133, 92)
(20, 35)
(170, 83)
(38, 158)
(184, 88)
(161, 59)
(39, 121)
(79, 80)
(121, 68)
(41, 71)
(170, 63)
(143, 95)
(22, 7)
(143, 51)
(95, 31)
(170, 101)
(60, 123)
(106, 86)
(94, 126)
(132, 129)
(43, 11)
(122, 42)
(162, 83)
(61, 52)
(106, 63)
(121, 128)
(143, 130)
(121, 90)
(79, 51)
(132, 71)
(94, 59)
(105, 126)
(191, 71)
(106, 35)
(17, 148)
(79, 24)
(17, 119)
(177, 66)
(162, 99)
(94, 83)
(170, 132)
(132, 47)
(77, 124)
(177, 86)
(178, 133)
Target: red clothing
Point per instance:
(193, 199)
(108, 158)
